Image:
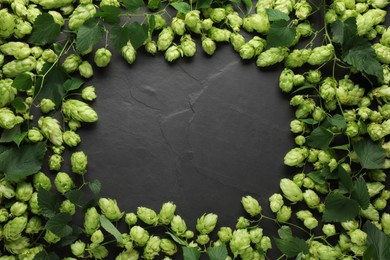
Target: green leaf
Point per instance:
(309, 121)
(109, 13)
(48, 203)
(18, 138)
(133, 5)
(58, 224)
(119, 36)
(71, 238)
(19, 162)
(304, 87)
(43, 255)
(110, 228)
(95, 186)
(276, 15)
(73, 84)
(7, 135)
(22, 81)
(89, 34)
(342, 31)
(137, 34)
(177, 239)
(317, 177)
(280, 34)
(362, 57)
(337, 121)
(45, 30)
(344, 147)
(320, 138)
(370, 153)
(200, 4)
(53, 84)
(288, 244)
(74, 196)
(19, 105)
(217, 252)
(345, 178)
(339, 208)
(378, 243)
(182, 7)
(152, 23)
(360, 193)
(191, 253)
(248, 5)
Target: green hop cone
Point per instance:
(71, 63)
(98, 251)
(208, 45)
(218, 14)
(78, 110)
(58, 19)
(272, 56)
(166, 213)
(237, 41)
(110, 209)
(178, 225)
(24, 191)
(206, 223)
(358, 237)
(34, 225)
(242, 223)
(225, 234)
(160, 22)
(7, 92)
(311, 198)
(55, 162)
(276, 202)
(151, 47)
(68, 207)
(81, 14)
(13, 229)
(78, 248)
(251, 205)
(97, 237)
(63, 182)
(321, 55)
(152, 247)
(310, 223)
(18, 208)
(240, 241)
(219, 35)
(178, 26)
(50, 128)
(91, 221)
(79, 162)
(385, 222)
(256, 235)
(234, 21)
(192, 19)
(188, 45)
(85, 69)
(257, 22)
(19, 50)
(296, 156)
(246, 51)
(139, 235)
(290, 190)
(165, 38)
(173, 53)
(88, 93)
(4, 215)
(71, 138)
(168, 246)
(286, 82)
(33, 204)
(102, 57)
(329, 230)
(129, 53)
(49, 55)
(284, 214)
(46, 105)
(147, 215)
(131, 219)
(203, 239)
(6, 189)
(8, 119)
(17, 247)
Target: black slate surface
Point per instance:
(201, 132)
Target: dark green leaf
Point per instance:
(58, 47)
(371, 154)
(339, 208)
(345, 178)
(363, 57)
(110, 228)
(137, 34)
(305, 86)
(280, 34)
(95, 186)
(8, 134)
(89, 34)
(43, 255)
(58, 224)
(71, 238)
(19, 105)
(19, 162)
(337, 121)
(320, 138)
(248, 5)
(53, 84)
(18, 138)
(119, 36)
(276, 15)
(154, 4)
(177, 239)
(217, 252)
(22, 81)
(344, 147)
(343, 31)
(133, 5)
(200, 4)
(110, 14)
(191, 253)
(378, 243)
(360, 193)
(289, 245)
(182, 7)
(317, 177)
(73, 84)
(45, 30)
(309, 121)
(74, 196)
(48, 203)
